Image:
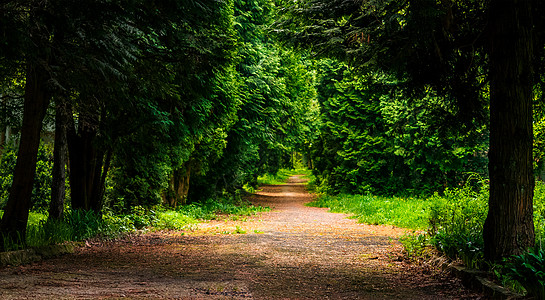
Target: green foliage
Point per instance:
(283, 175)
(276, 92)
(416, 245)
(82, 225)
(279, 178)
(350, 154)
(41, 192)
(457, 219)
(456, 223)
(180, 116)
(539, 213)
(402, 212)
(76, 226)
(173, 220)
(528, 270)
(7, 165)
(214, 209)
(375, 138)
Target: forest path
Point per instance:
(292, 252)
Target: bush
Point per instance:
(7, 165)
(529, 271)
(41, 192)
(456, 223)
(174, 220)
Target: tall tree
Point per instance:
(442, 45)
(509, 227)
(37, 95)
(179, 121)
(60, 160)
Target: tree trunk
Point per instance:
(60, 159)
(88, 167)
(36, 100)
(178, 186)
(509, 227)
(102, 166)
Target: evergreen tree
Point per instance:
(444, 46)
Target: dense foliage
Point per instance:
(162, 102)
(41, 191)
(184, 103)
(375, 138)
(451, 223)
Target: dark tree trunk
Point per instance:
(60, 159)
(178, 186)
(88, 166)
(102, 166)
(3, 126)
(509, 227)
(36, 100)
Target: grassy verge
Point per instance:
(452, 223)
(282, 176)
(402, 212)
(79, 225)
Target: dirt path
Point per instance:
(293, 252)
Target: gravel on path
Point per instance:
(292, 252)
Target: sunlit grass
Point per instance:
(83, 225)
(282, 176)
(412, 213)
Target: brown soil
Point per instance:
(292, 252)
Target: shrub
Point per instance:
(456, 223)
(529, 271)
(41, 192)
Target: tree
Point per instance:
(442, 45)
(60, 160)
(509, 227)
(182, 113)
(63, 48)
(37, 95)
(275, 91)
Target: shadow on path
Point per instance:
(292, 252)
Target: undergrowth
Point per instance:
(452, 223)
(402, 212)
(282, 176)
(83, 225)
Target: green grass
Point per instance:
(282, 176)
(174, 220)
(79, 225)
(408, 212)
(215, 209)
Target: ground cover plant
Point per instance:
(82, 225)
(452, 223)
(406, 212)
(282, 175)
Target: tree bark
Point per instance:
(36, 101)
(88, 166)
(178, 186)
(509, 227)
(60, 159)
